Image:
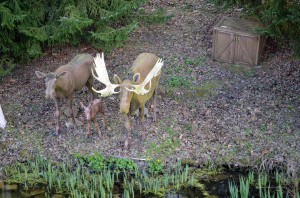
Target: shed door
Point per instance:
(224, 46)
(245, 51)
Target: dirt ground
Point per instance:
(208, 112)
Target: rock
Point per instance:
(58, 196)
(11, 187)
(32, 192)
(1, 184)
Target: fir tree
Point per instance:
(29, 26)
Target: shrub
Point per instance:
(155, 167)
(27, 27)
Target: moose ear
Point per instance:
(61, 74)
(136, 77)
(117, 79)
(40, 74)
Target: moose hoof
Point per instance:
(55, 133)
(126, 145)
(144, 136)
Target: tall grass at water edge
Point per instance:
(77, 179)
(264, 186)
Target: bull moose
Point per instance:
(134, 93)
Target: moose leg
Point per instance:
(88, 128)
(57, 114)
(150, 103)
(89, 85)
(154, 105)
(101, 110)
(127, 126)
(97, 126)
(103, 119)
(70, 109)
(142, 118)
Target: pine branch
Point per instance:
(8, 18)
(6, 66)
(110, 38)
(36, 33)
(27, 26)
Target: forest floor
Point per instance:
(208, 112)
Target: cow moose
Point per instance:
(66, 80)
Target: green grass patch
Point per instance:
(205, 89)
(181, 81)
(242, 70)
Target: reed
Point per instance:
(233, 189)
(244, 187)
(78, 179)
(266, 188)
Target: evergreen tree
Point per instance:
(29, 26)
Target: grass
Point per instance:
(75, 178)
(169, 142)
(263, 186)
(181, 81)
(206, 89)
(242, 70)
(82, 177)
(187, 6)
(181, 75)
(166, 148)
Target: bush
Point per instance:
(27, 27)
(282, 20)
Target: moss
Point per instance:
(206, 89)
(207, 172)
(242, 70)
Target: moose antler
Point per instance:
(140, 89)
(102, 76)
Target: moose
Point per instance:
(2, 119)
(146, 70)
(66, 80)
(91, 112)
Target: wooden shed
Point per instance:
(234, 41)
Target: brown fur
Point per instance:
(91, 112)
(130, 101)
(68, 79)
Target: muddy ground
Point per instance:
(208, 112)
